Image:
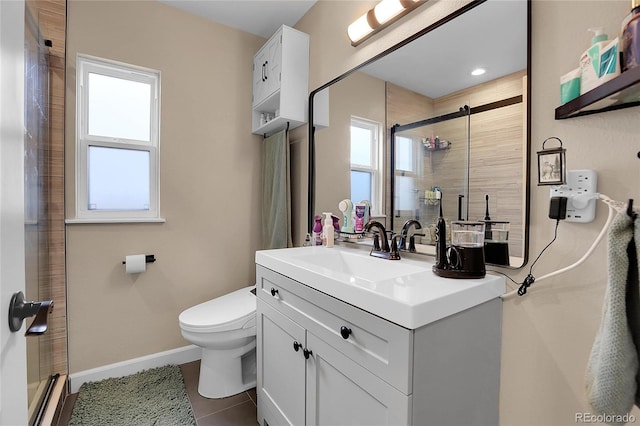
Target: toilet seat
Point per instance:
(233, 311)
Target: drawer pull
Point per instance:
(296, 346)
(345, 332)
(306, 353)
(274, 291)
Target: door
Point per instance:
(340, 391)
(281, 368)
(13, 376)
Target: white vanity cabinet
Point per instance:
(322, 361)
(281, 81)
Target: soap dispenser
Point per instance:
(590, 61)
(327, 230)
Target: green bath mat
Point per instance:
(152, 397)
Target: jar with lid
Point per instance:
(630, 40)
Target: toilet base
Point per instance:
(224, 374)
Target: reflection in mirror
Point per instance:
(415, 122)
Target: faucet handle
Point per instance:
(394, 254)
(376, 242)
(412, 242)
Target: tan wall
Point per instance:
(361, 96)
(548, 334)
(210, 182)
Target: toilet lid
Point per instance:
(228, 312)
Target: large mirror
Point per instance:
(414, 121)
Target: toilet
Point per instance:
(225, 329)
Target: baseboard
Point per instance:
(174, 356)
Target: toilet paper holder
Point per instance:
(148, 258)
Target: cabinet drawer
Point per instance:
(380, 346)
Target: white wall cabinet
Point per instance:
(324, 362)
(281, 81)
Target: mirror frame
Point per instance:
(426, 30)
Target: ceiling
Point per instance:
(259, 17)
(491, 36)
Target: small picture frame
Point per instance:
(551, 165)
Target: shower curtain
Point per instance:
(276, 193)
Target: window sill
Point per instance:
(108, 220)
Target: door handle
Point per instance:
(19, 309)
(266, 74)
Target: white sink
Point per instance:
(355, 266)
(404, 291)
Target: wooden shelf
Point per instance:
(621, 92)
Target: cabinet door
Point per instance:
(341, 392)
(273, 64)
(281, 369)
(259, 72)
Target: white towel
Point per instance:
(613, 364)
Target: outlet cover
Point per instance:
(580, 187)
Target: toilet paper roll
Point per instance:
(136, 263)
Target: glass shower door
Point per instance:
(36, 220)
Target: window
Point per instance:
(406, 170)
(117, 141)
(366, 166)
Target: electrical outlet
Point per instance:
(581, 191)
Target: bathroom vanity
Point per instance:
(345, 338)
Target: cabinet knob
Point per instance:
(345, 332)
(274, 291)
(306, 353)
(296, 346)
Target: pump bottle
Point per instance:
(590, 61)
(328, 230)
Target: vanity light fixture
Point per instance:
(383, 14)
(478, 71)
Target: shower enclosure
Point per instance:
(44, 200)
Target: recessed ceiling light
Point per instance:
(478, 71)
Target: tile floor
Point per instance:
(237, 410)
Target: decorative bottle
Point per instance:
(317, 231)
(631, 37)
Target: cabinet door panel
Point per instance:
(341, 392)
(259, 86)
(273, 64)
(281, 369)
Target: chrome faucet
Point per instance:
(405, 233)
(382, 251)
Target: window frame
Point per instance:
(85, 65)
(376, 169)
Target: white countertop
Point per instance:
(404, 291)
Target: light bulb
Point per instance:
(386, 10)
(359, 28)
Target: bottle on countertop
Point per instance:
(307, 241)
(317, 231)
(328, 230)
(630, 40)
